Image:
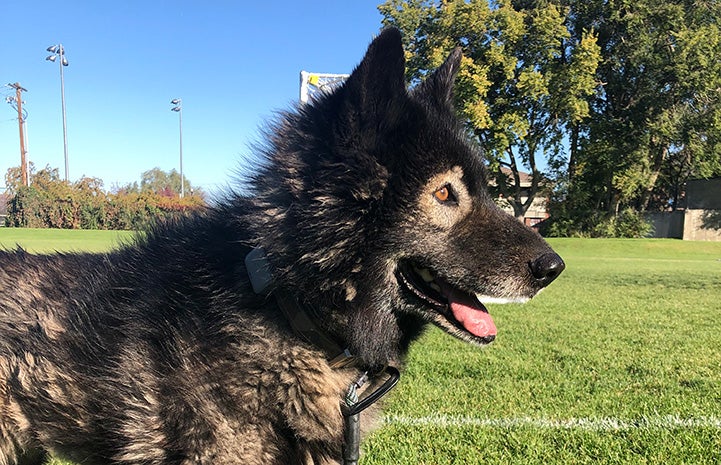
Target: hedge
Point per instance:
(66, 206)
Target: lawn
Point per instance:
(61, 240)
(618, 362)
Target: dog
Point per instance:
(232, 336)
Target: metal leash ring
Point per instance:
(359, 406)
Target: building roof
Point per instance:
(525, 178)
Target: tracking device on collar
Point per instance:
(258, 268)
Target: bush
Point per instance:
(25, 209)
(629, 223)
(62, 205)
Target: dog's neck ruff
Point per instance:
(258, 268)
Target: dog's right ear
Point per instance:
(380, 76)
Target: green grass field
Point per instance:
(618, 362)
(61, 240)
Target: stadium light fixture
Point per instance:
(178, 108)
(58, 53)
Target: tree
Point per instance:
(128, 188)
(164, 183)
(659, 106)
(13, 178)
(524, 80)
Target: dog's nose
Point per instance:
(547, 267)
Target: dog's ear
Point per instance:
(437, 89)
(380, 76)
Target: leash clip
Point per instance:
(357, 406)
(352, 408)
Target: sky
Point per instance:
(233, 64)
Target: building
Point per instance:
(700, 220)
(537, 212)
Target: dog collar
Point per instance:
(261, 279)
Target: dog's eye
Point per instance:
(444, 194)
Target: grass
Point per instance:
(61, 240)
(618, 362)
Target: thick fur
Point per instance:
(161, 353)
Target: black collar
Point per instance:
(258, 268)
(304, 326)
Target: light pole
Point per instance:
(58, 53)
(178, 108)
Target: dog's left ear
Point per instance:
(437, 89)
(380, 77)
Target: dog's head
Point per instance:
(377, 213)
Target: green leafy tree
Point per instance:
(524, 81)
(165, 183)
(13, 177)
(657, 114)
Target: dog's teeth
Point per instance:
(425, 274)
(500, 300)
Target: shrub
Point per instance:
(629, 223)
(61, 205)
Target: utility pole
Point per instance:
(21, 124)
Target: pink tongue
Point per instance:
(475, 319)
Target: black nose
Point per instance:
(547, 267)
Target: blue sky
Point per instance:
(232, 63)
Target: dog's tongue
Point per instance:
(471, 314)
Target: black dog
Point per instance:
(369, 219)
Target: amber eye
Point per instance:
(444, 194)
